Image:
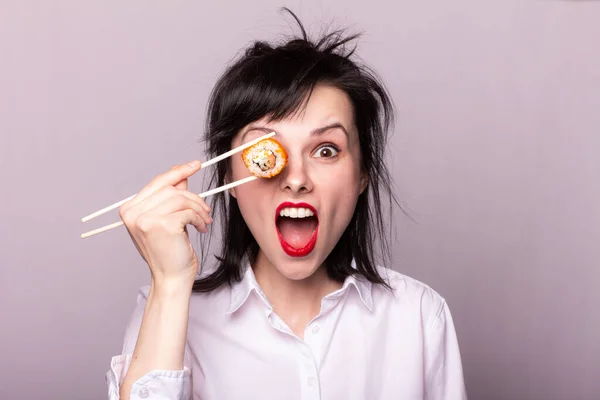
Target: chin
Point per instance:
(297, 271)
(294, 268)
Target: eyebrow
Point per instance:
(335, 125)
(314, 132)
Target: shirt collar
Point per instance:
(363, 286)
(240, 291)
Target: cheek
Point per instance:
(342, 190)
(238, 169)
(247, 196)
(341, 178)
(252, 204)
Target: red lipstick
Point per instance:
(289, 249)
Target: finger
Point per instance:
(169, 178)
(171, 224)
(183, 185)
(180, 202)
(129, 216)
(189, 217)
(177, 222)
(163, 195)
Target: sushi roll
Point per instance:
(266, 158)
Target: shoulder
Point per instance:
(408, 295)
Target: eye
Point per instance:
(326, 151)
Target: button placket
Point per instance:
(313, 339)
(144, 393)
(316, 328)
(309, 373)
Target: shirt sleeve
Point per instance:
(443, 365)
(156, 384)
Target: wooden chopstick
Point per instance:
(202, 195)
(205, 164)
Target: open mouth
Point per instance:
(297, 227)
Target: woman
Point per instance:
(296, 307)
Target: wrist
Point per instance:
(171, 288)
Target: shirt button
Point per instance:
(315, 329)
(144, 393)
(311, 381)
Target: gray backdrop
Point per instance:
(495, 156)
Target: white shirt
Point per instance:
(366, 343)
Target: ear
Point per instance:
(227, 181)
(364, 181)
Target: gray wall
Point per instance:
(496, 158)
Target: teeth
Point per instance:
(293, 212)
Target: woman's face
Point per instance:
(323, 177)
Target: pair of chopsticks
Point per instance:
(202, 195)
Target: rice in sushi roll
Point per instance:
(265, 159)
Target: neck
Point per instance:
(296, 302)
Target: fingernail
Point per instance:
(194, 164)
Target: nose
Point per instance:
(295, 178)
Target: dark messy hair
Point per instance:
(274, 81)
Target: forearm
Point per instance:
(163, 332)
